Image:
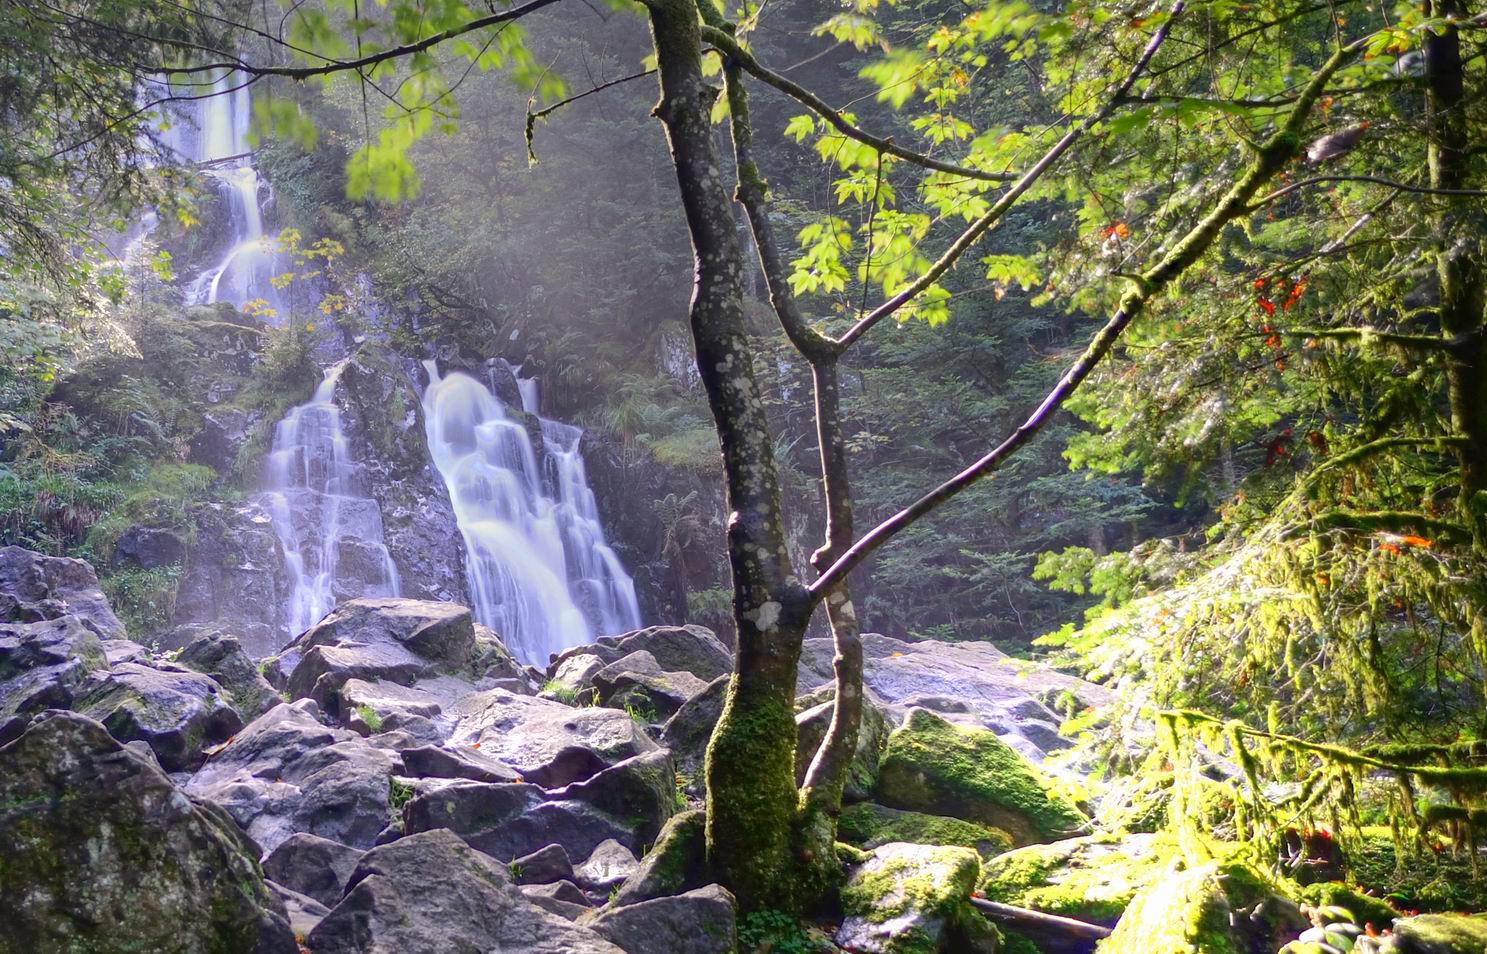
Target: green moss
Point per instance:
(1365, 909)
(1184, 913)
(1421, 881)
(868, 825)
(910, 888)
(1093, 879)
(1442, 932)
(369, 718)
(933, 766)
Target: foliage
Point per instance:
(777, 933)
(142, 599)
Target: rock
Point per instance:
(99, 851)
(565, 891)
(640, 793)
(547, 742)
(367, 706)
(606, 867)
(176, 712)
(235, 577)
(312, 866)
(221, 656)
(572, 679)
(542, 897)
(686, 733)
(1091, 879)
(223, 432)
(674, 865)
(543, 866)
(431, 761)
(118, 651)
(287, 772)
(36, 587)
(149, 548)
(508, 821)
(914, 899)
(1436, 934)
(973, 683)
(933, 766)
(304, 912)
(638, 684)
(872, 736)
(867, 826)
(698, 922)
(431, 892)
(1212, 908)
(692, 649)
(42, 664)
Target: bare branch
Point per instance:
(1376, 180)
(546, 110)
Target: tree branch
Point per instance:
(1014, 192)
(1377, 180)
(1270, 158)
(731, 48)
(545, 111)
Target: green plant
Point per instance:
(369, 717)
(560, 692)
(776, 932)
(640, 709)
(143, 599)
(399, 793)
(516, 871)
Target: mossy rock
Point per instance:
(1092, 878)
(914, 899)
(1420, 881)
(943, 769)
(1213, 909)
(1363, 908)
(1438, 934)
(868, 825)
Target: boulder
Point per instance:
(867, 826)
(542, 895)
(507, 821)
(675, 864)
(686, 733)
(692, 649)
(698, 922)
(287, 772)
(638, 684)
(1211, 909)
(547, 742)
(572, 679)
(914, 899)
(933, 766)
(36, 587)
(304, 912)
(442, 633)
(235, 577)
(565, 891)
(1434, 934)
(174, 711)
(221, 656)
(971, 683)
(432, 892)
(872, 736)
(312, 866)
(149, 548)
(43, 664)
(543, 866)
(432, 761)
(606, 867)
(1090, 879)
(99, 851)
(125, 650)
(639, 792)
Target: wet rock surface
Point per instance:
(35, 587)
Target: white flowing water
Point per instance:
(213, 133)
(540, 572)
(330, 532)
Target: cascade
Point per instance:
(330, 532)
(540, 572)
(213, 133)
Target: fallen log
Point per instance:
(1036, 924)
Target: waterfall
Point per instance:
(213, 133)
(330, 532)
(540, 572)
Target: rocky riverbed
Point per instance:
(394, 780)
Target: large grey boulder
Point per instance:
(686, 733)
(432, 761)
(43, 664)
(432, 892)
(507, 821)
(693, 649)
(872, 737)
(312, 866)
(970, 683)
(99, 851)
(675, 864)
(221, 656)
(914, 898)
(606, 868)
(698, 922)
(288, 772)
(638, 684)
(177, 713)
(149, 548)
(36, 587)
(547, 742)
(640, 793)
(543, 866)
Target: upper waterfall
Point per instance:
(329, 531)
(540, 571)
(212, 133)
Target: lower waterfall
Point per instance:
(331, 534)
(540, 572)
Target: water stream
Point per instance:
(540, 572)
(329, 530)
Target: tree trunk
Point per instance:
(1459, 264)
(750, 767)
